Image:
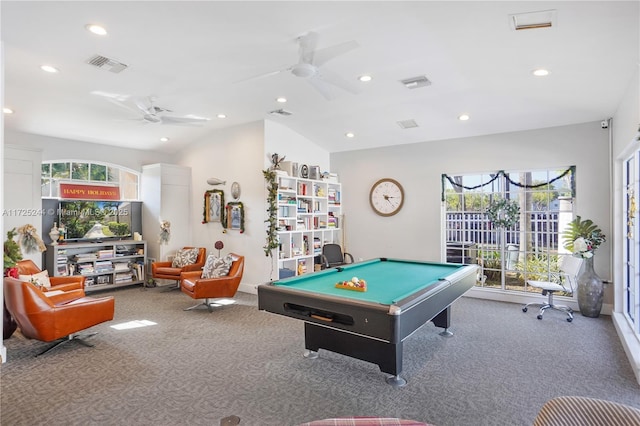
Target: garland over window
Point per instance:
(501, 173)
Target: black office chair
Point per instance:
(332, 256)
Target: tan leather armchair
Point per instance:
(164, 270)
(212, 288)
(72, 282)
(57, 317)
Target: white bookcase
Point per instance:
(309, 216)
(105, 265)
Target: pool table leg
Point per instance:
(443, 320)
(388, 356)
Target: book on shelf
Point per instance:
(105, 254)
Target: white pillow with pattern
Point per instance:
(185, 257)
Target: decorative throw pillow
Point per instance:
(207, 269)
(41, 279)
(220, 266)
(185, 257)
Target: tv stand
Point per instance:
(107, 265)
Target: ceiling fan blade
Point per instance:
(323, 55)
(264, 75)
(307, 47)
(182, 120)
(321, 86)
(334, 79)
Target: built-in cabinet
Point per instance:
(105, 265)
(309, 216)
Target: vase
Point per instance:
(590, 290)
(54, 234)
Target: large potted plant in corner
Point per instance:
(582, 238)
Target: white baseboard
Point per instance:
(248, 288)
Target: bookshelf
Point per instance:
(309, 216)
(106, 265)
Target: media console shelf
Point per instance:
(106, 265)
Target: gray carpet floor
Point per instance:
(196, 367)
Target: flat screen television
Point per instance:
(86, 220)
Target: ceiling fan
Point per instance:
(310, 66)
(150, 112)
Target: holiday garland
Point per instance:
(207, 198)
(503, 213)
(272, 210)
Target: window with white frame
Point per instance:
(631, 296)
(509, 223)
(61, 171)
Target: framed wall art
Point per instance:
(213, 206)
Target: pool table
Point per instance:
(401, 296)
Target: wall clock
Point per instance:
(386, 197)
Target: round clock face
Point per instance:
(235, 190)
(386, 197)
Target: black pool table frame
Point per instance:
(367, 331)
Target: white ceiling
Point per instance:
(193, 57)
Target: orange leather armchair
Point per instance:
(164, 270)
(57, 317)
(212, 288)
(72, 282)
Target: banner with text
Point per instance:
(89, 192)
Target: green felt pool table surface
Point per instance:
(388, 280)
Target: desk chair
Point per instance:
(569, 269)
(332, 256)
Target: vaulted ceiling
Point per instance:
(206, 58)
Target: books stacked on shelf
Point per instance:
(121, 266)
(103, 266)
(333, 196)
(332, 222)
(304, 206)
(105, 254)
(61, 263)
(123, 277)
(86, 268)
(89, 282)
(286, 199)
(85, 257)
(103, 279)
(317, 246)
(302, 188)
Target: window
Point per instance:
(631, 296)
(54, 172)
(509, 223)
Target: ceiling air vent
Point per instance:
(533, 20)
(407, 124)
(280, 111)
(107, 64)
(415, 82)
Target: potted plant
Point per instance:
(582, 238)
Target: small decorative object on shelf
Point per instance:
(582, 238)
(503, 213)
(355, 284)
(54, 234)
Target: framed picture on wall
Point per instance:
(235, 216)
(213, 206)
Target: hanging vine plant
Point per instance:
(270, 176)
(503, 213)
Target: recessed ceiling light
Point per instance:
(96, 29)
(7, 110)
(463, 117)
(350, 135)
(365, 78)
(165, 139)
(48, 68)
(221, 115)
(281, 99)
(540, 72)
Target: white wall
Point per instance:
(233, 154)
(286, 142)
(415, 232)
